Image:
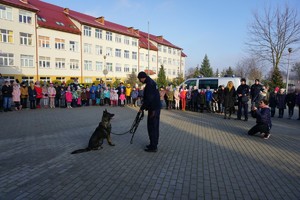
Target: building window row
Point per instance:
(6, 59)
(25, 17)
(6, 12)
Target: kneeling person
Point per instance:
(263, 119)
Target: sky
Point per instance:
(216, 28)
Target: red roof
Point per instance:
(54, 17)
(20, 4)
(143, 43)
(159, 40)
(107, 25)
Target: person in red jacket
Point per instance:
(39, 94)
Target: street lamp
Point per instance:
(105, 71)
(288, 70)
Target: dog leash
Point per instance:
(139, 117)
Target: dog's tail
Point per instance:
(81, 150)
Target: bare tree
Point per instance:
(296, 69)
(273, 32)
(249, 68)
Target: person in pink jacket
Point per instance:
(69, 97)
(16, 96)
(52, 93)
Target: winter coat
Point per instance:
(183, 94)
(151, 96)
(16, 94)
(45, 92)
(93, 90)
(83, 96)
(194, 95)
(58, 93)
(39, 93)
(128, 91)
(255, 91)
(242, 90)
(263, 116)
(201, 98)
(229, 97)
(7, 91)
(69, 96)
(24, 92)
(98, 94)
(176, 95)
(51, 92)
(221, 95)
(134, 94)
(290, 99)
(32, 94)
(170, 95)
(272, 100)
(298, 99)
(106, 94)
(280, 101)
(208, 95)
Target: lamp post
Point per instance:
(288, 70)
(105, 71)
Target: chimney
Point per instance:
(66, 10)
(137, 31)
(100, 20)
(160, 37)
(130, 29)
(24, 1)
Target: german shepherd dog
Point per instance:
(101, 132)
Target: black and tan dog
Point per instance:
(101, 132)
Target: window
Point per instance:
(6, 59)
(142, 56)
(165, 60)
(25, 39)
(61, 79)
(60, 63)
(108, 36)
(99, 66)
(126, 68)
(41, 19)
(126, 54)
(126, 40)
(159, 47)
(118, 67)
(88, 65)
(88, 80)
(134, 42)
(165, 49)
(108, 51)
(118, 53)
(134, 68)
(118, 38)
(6, 36)
(153, 58)
(74, 64)
(59, 43)
(27, 79)
(87, 48)
(26, 60)
(44, 62)
(169, 50)
(98, 33)
(6, 12)
(174, 51)
(169, 61)
(44, 41)
(60, 23)
(99, 50)
(25, 17)
(109, 67)
(87, 31)
(134, 55)
(147, 57)
(73, 46)
(159, 60)
(45, 79)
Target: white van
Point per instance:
(212, 82)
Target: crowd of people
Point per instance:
(222, 100)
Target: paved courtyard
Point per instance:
(200, 156)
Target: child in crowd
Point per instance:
(16, 94)
(84, 97)
(62, 98)
(134, 95)
(106, 96)
(113, 97)
(45, 95)
(52, 93)
(101, 96)
(24, 95)
(32, 95)
(215, 101)
(79, 91)
(122, 98)
(98, 95)
(177, 97)
(69, 97)
(74, 97)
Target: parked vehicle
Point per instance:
(212, 82)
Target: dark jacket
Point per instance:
(221, 95)
(280, 101)
(290, 99)
(32, 94)
(272, 100)
(151, 100)
(263, 116)
(7, 91)
(57, 89)
(229, 97)
(255, 91)
(243, 90)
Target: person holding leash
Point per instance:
(151, 102)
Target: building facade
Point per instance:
(42, 41)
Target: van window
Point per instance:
(212, 83)
(190, 83)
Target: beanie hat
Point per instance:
(142, 75)
(276, 89)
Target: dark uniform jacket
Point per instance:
(151, 100)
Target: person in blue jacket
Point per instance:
(263, 119)
(151, 102)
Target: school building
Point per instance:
(42, 41)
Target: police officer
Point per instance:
(151, 102)
(243, 93)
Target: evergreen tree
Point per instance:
(205, 69)
(217, 73)
(161, 77)
(178, 80)
(276, 79)
(229, 71)
(196, 72)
